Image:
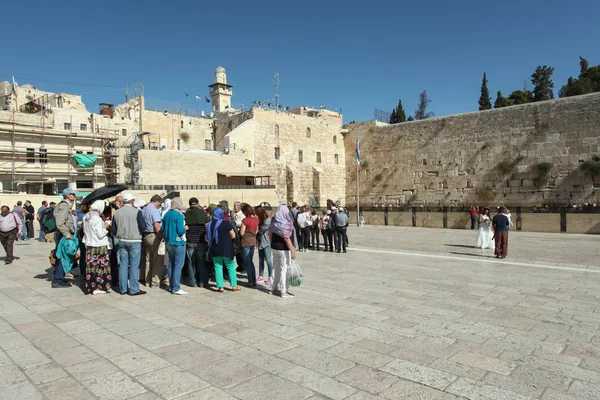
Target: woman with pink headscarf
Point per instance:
(280, 234)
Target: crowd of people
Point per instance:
(128, 243)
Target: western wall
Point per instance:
(521, 155)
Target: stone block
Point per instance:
(420, 374)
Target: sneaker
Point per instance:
(286, 295)
(180, 292)
(260, 279)
(139, 293)
(270, 282)
(60, 284)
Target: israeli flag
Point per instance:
(357, 150)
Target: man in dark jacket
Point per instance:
(195, 246)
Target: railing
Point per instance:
(169, 188)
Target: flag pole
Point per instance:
(357, 181)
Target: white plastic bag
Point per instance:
(162, 248)
(295, 274)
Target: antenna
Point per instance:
(276, 84)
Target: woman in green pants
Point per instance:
(220, 235)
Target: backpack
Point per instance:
(47, 221)
(329, 225)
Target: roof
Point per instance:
(246, 174)
(222, 84)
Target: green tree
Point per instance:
(400, 113)
(421, 112)
(587, 82)
(410, 118)
(520, 97)
(542, 83)
(485, 101)
(393, 117)
(501, 101)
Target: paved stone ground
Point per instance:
(407, 313)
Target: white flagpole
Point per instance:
(357, 181)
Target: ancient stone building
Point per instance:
(520, 155)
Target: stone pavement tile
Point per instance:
(146, 396)
(13, 340)
(363, 396)
(457, 369)
(27, 357)
(553, 394)
(526, 340)
(477, 390)
(214, 341)
(285, 332)
(410, 390)
(155, 338)
(45, 373)
(226, 372)
(482, 361)
(11, 375)
(420, 374)
(129, 325)
(223, 328)
(583, 351)
(106, 343)
(541, 378)
(32, 327)
(314, 341)
(78, 326)
(412, 356)
(188, 354)
(344, 337)
(585, 390)
(4, 359)
(74, 355)
(57, 317)
(375, 346)
(65, 388)
(261, 341)
(379, 336)
(359, 355)
(514, 385)
(317, 361)
(91, 369)
(502, 345)
(319, 330)
(20, 391)
(22, 317)
(51, 340)
(332, 324)
(209, 393)
(367, 379)
(318, 383)
(269, 387)
(104, 316)
(561, 358)
(287, 321)
(116, 385)
(139, 362)
(172, 382)
(260, 359)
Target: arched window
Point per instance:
(334, 139)
(307, 132)
(277, 130)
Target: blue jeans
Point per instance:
(23, 230)
(196, 263)
(129, 266)
(59, 272)
(265, 255)
(248, 253)
(176, 259)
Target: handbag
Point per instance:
(162, 248)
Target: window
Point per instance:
(124, 132)
(43, 156)
(30, 156)
(207, 144)
(249, 164)
(277, 154)
(336, 159)
(67, 126)
(83, 127)
(178, 144)
(90, 152)
(84, 184)
(318, 156)
(181, 124)
(335, 140)
(277, 130)
(307, 132)
(300, 155)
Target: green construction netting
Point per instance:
(85, 160)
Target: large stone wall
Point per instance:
(524, 154)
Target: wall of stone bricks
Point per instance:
(480, 158)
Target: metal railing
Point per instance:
(169, 188)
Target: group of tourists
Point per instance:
(310, 225)
(492, 229)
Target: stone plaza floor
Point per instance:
(407, 313)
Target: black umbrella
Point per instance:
(104, 192)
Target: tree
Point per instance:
(542, 83)
(485, 101)
(393, 117)
(587, 82)
(520, 97)
(400, 113)
(501, 101)
(410, 118)
(421, 112)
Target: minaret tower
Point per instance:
(220, 92)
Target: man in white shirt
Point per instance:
(10, 229)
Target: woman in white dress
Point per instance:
(484, 234)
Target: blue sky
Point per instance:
(352, 55)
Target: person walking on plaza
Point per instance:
(280, 234)
(195, 247)
(152, 235)
(341, 223)
(484, 233)
(473, 213)
(173, 226)
(304, 222)
(127, 226)
(21, 212)
(325, 226)
(40, 213)
(65, 230)
(29, 217)
(264, 246)
(10, 230)
(333, 218)
(295, 210)
(220, 236)
(248, 232)
(501, 224)
(315, 231)
(97, 275)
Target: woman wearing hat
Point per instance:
(97, 275)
